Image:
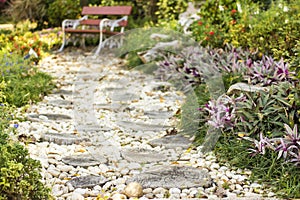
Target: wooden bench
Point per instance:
(94, 25)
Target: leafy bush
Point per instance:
(59, 10)
(22, 40)
(272, 32)
(20, 175)
(169, 10)
(24, 84)
(26, 9)
(217, 17)
(272, 29)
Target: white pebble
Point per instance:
(70, 187)
(57, 190)
(183, 195)
(239, 187)
(224, 178)
(107, 185)
(124, 171)
(149, 196)
(255, 185)
(159, 190)
(174, 191)
(65, 168)
(271, 194)
(147, 190)
(212, 197)
(63, 175)
(80, 191)
(186, 191)
(103, 168)
(76, 196)
(54, 172)
(229, 174)
(160, 196)
(215, 166)
(118, 196)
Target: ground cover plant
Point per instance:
(20, 175)
(24, 84)
(258, 120)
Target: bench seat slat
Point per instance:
(106, 10)
(91, 31)
(96, 22)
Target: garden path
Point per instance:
(105, 127)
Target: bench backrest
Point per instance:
(106, 10)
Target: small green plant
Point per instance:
(23, 83)
(20, 175)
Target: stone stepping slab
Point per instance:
(115, 107)
(121, 96)
(143, 156)
(84, 160)
(114, 89)
(91, 128)
(46, 117)
(63, 92)
(61, 103)
(137, 126)
(172, 177)
(172, 142)
(105, 149)
(158, 114)
(87, 181)
(63, 138)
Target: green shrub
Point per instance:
(20, 175)
(26, 9)
(273, 31)
(267, 112)
(168, 11)
(24, 84)
(21, 40)
(216, 19)
(60, 10)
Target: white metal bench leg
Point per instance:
(100, 43)
(103, 23)
(63, 42)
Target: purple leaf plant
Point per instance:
(287, 147)
(222, 111)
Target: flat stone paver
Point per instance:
(173, 177)
(87, 181)
(84, 160)
(63, 138)
(172, 142)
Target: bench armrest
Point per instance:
(112, 23)
(72, 23)
(115, 23)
